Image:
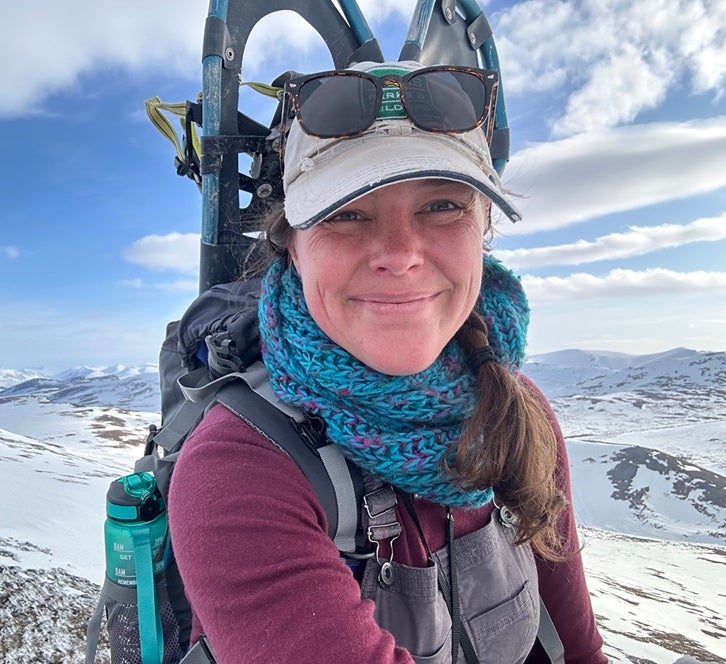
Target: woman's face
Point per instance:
(392, 276)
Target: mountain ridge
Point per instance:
(584, 366)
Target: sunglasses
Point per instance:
(443, 99)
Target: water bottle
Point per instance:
(141, 623)
(133, 503)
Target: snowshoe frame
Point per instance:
(440, 31)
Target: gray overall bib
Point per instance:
(498, 599)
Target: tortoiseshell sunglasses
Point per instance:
(343, 103)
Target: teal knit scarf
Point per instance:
(398, 428)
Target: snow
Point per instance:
(65, 457)
(649, 592)
(649, 506)
(701, 442)
(37, 475)
(10, 377)
(647, 443)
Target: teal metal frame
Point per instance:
(441, 31)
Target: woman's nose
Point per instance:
(399, 245)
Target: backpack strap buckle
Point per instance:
(222, 354)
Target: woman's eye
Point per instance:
(443, 206)
(345, 215)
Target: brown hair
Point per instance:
(508, 443)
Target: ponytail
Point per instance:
(509, 444)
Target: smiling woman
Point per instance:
(384, 319)
(393, 275)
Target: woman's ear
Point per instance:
(291, 250)
(488, 228)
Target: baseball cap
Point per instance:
(322, 175)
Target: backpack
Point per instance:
(211, 355)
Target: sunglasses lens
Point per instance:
(446, 101)
(336, 106)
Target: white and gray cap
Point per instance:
(322, 175)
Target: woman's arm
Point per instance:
(562, 585)
(264, 579)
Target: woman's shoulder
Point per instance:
(226, 465)
(223, 431)
(225, 448)
(221, 423)
(544, 403)
(529, 384)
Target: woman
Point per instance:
(382, 314)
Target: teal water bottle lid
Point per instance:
(134, 497)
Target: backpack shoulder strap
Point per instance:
(335, 482)
(548, 637)
(172, 434)
(249, 395)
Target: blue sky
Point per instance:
(618, 120)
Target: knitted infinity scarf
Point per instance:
(398, 428)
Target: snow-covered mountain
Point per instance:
(571, 372)
(647, 443)
(135, 388)
(10, 377)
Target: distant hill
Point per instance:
(136, 388)
(558, 374)
(579, 372)
(10, 377)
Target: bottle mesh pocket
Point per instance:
(123, 633)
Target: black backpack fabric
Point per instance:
(211, 355)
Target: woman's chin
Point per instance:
(404, 364)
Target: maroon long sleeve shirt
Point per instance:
(266, 583)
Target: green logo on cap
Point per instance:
(391, 106)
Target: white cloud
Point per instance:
(638, 240)
(630, 325)
(619, 87)
(622, 283)
(47, 48)
(376, 11)
(618, 57)
(11, 252)
(176, 251)
(628, 311)
(703, 42)
(132, 283)
(617, 169)
(273, 40)
(177, 286)
(535, 40)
